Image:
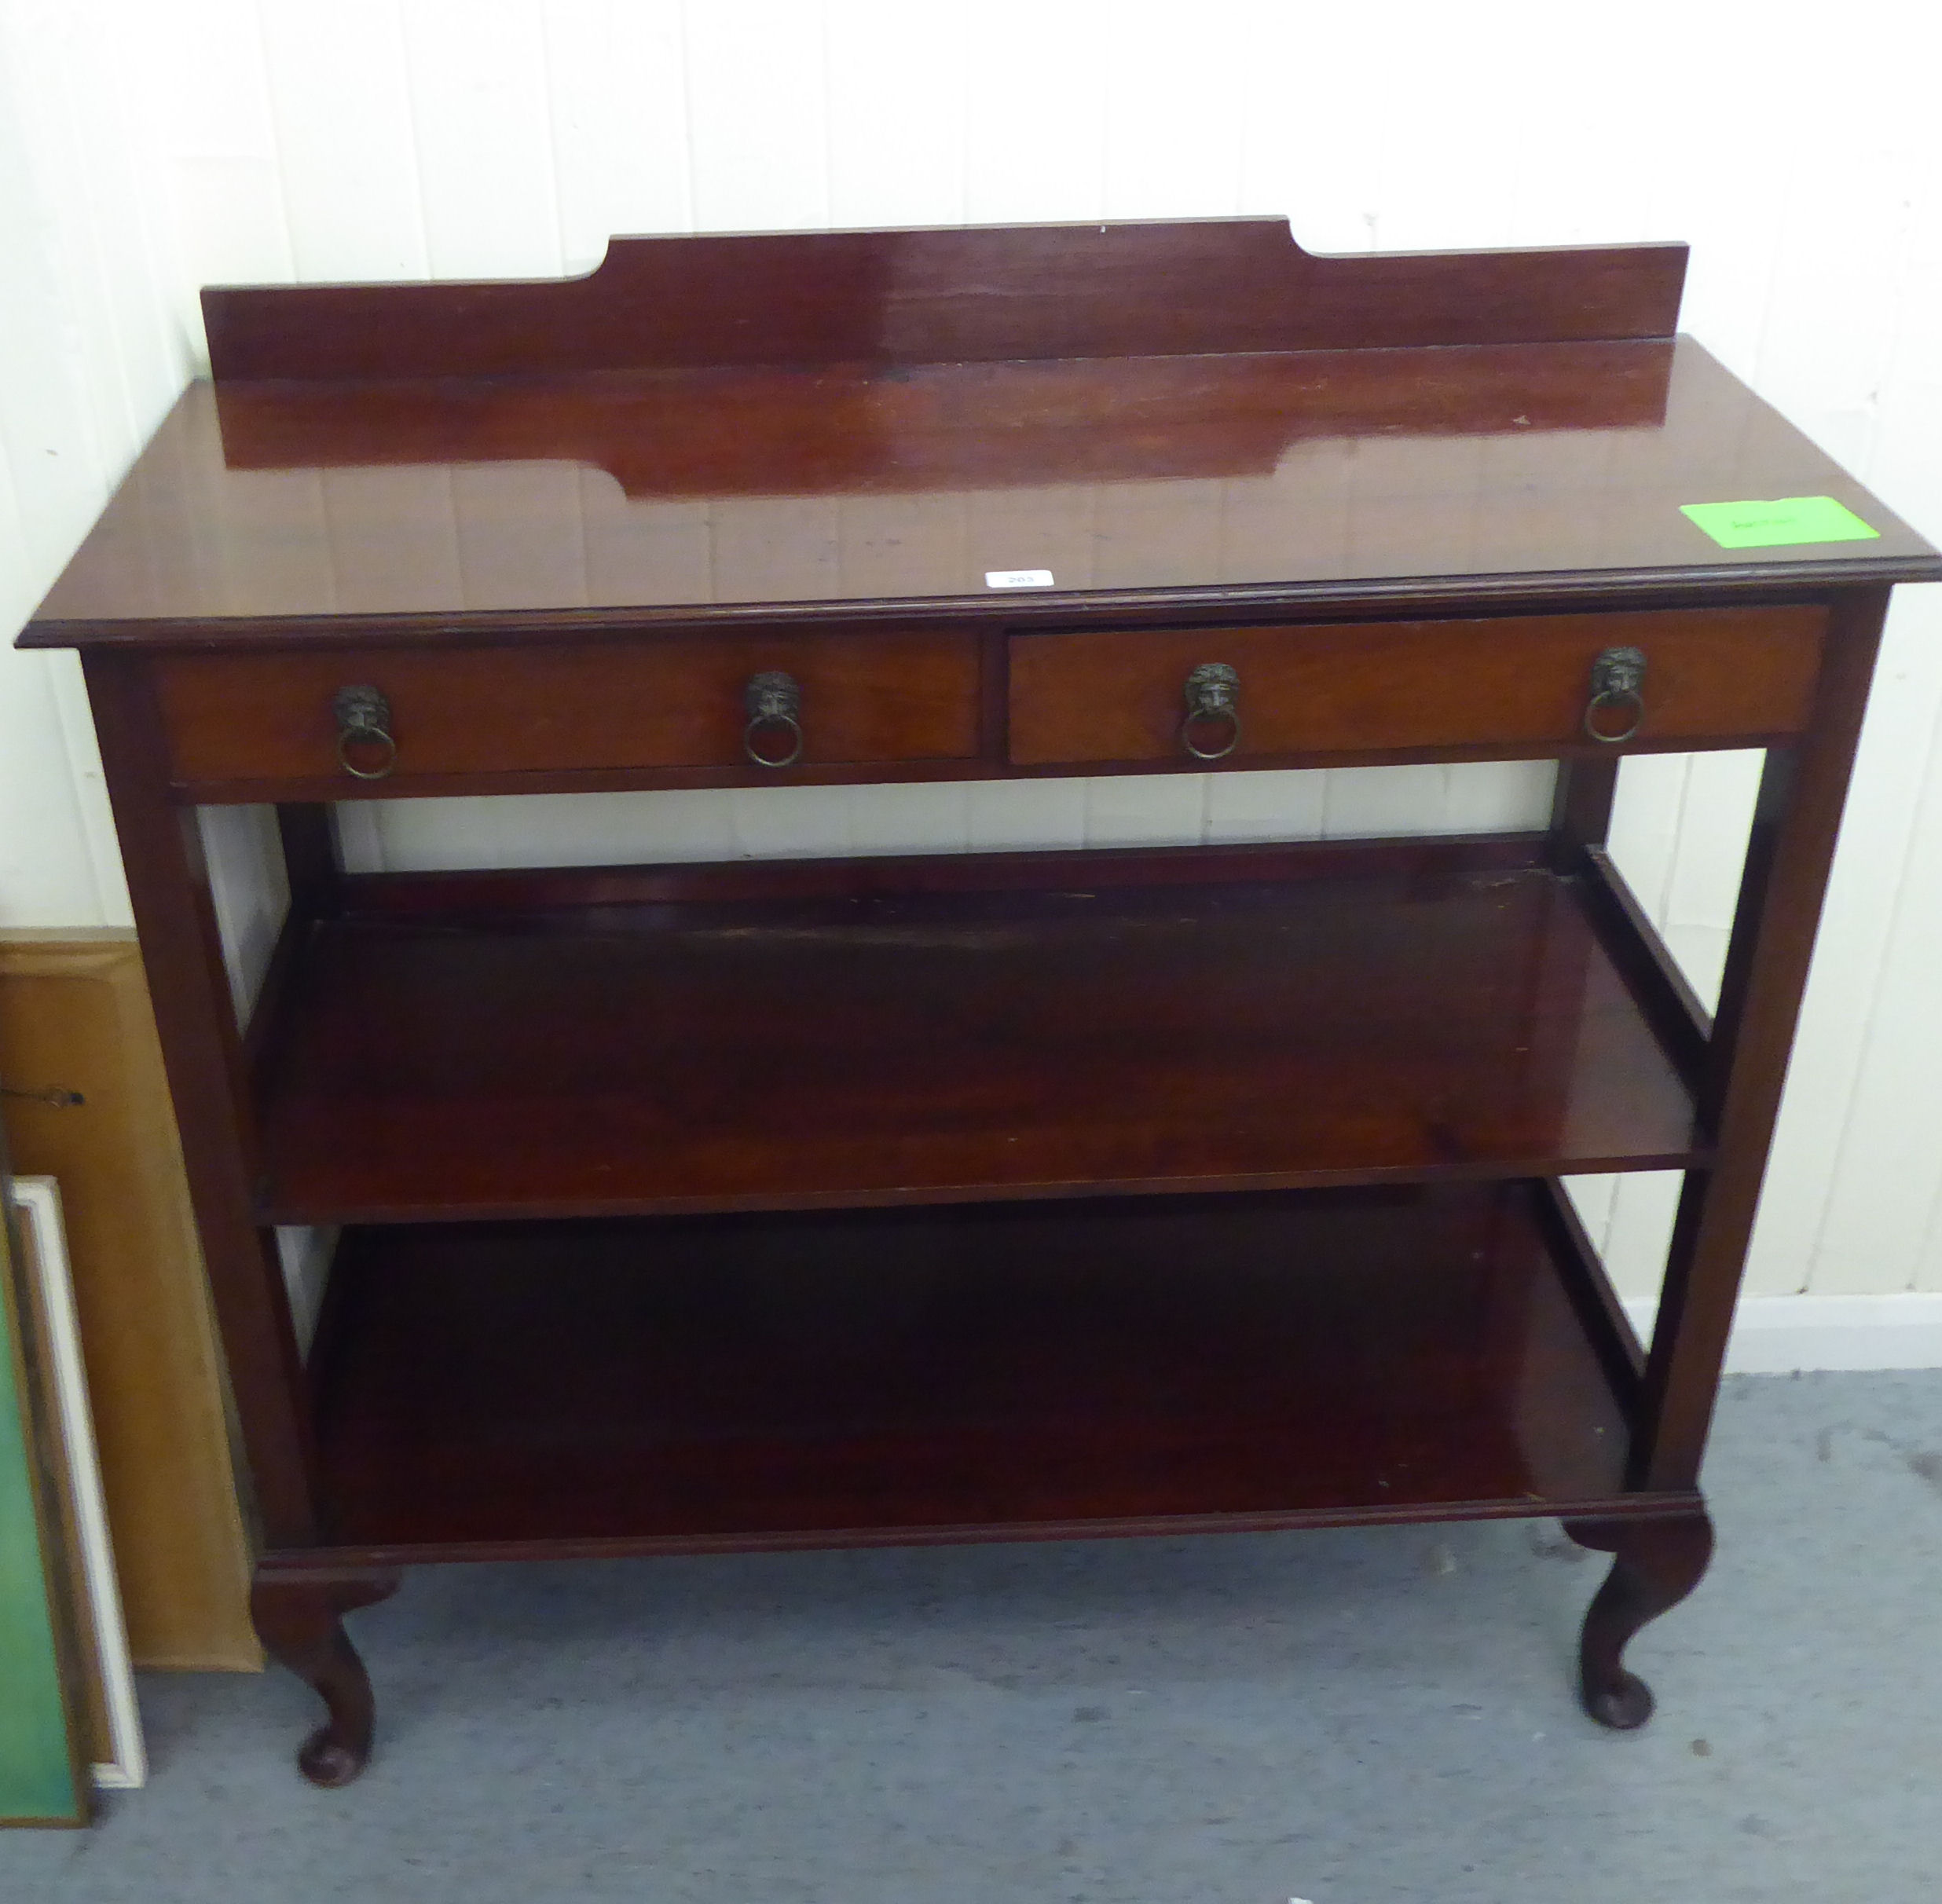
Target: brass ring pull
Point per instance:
(363, 720)
(1213, 694)
(773, 700)
(1617, 688)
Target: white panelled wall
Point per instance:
(149, 146)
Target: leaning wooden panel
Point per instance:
(74, 1012)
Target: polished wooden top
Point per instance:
(534, 502)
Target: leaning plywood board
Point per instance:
(74, 1012)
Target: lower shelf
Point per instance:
(988, 1371)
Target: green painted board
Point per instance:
(40, 1774)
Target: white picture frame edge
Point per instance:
(37, 1201)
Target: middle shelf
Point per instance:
(714, 1039)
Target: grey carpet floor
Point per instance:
(1372, 1716)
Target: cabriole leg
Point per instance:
(300, 1622)
(1655, 1564)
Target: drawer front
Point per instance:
(866, 697)
(1513, 681)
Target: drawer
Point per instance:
(866, 697)
(1508, 681)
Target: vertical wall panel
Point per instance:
(47, 871)
(108, 325)
(586, 829)
(47, 874)
(1265, 806)
(1434, 166)
(1877, 1235)
(1367, 802)
(478, 77)
(1720, 97)
(1909, 398)
(206, 98)
(1857, 931)
(897, 95)
(780, 823)
(1889, 1168)
(1514, 798)
(1305, 83)
(1008, 816)
(346, 139)
(1646, 822)
(920, 817)
(1165, 810)
(119, 304)
(54, 421)
(408, 834)
(1638, 1229)
(1709, 855)
(89, 357)
(1174, 145)
(554, 829)
(616, 82)
(252, 893)
(1035, 110)
(760, 129)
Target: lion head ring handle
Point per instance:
(773, 736)
(1617, 704)
(1213, 696)
(364, 731)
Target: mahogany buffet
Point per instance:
(688, 1207)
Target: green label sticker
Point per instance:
(1766, 525)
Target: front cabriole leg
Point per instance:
(1656, 1564)
(299, 1619)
